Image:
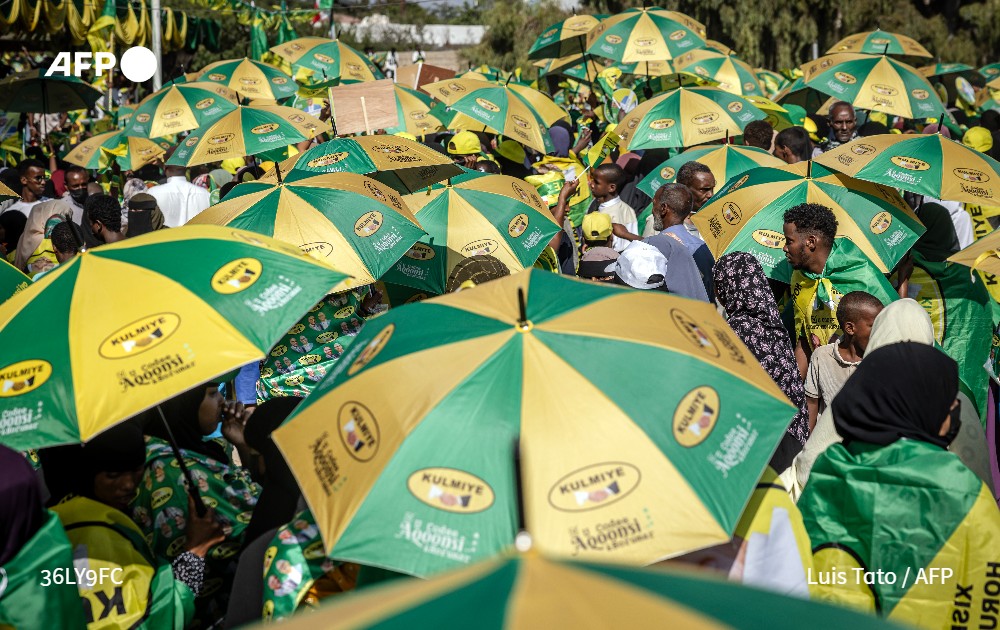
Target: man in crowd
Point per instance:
(179, 199)
(605, 183)
(700, 180)
(464, 149)
(76, 193)
(793, 145)
(843, 125)
(672, 205)
(758, 133)
(105, 216)
(33, 179)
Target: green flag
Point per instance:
(258, 38)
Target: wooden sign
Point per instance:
(364, 107)
(422, 74)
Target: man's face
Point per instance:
(702, 188)
(599, 187)
(798, 247)
(784, 153)
(76, 180)
(843, 122)
(34, 180)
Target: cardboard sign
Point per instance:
(422, 74)
(364, 107)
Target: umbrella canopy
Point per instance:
(777, 116)
(250, 79)
(880, 42)
(576, 66)
(190, 304)
(730, 72)
(352, 222)
(646, 34)
(521, 591)
(403, 165)
(328, 58)
(32, 91)
(878, 83)
(247, 130)
(178, 108)
(415, 113)
(12, 279)
(516, 111)
(657, 68)
(990, 71)
(929, 164)
(771, 82)
(496, 215)
(994, 84)
(942, 69)
(747, 215)
(564, 38)
(686, 117)
(123, 115)
(806, 97)
(100, 151)
(983, 255)
(717, 46)
(673, 470)
(725, 161)
(484, 72)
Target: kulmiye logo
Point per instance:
(138, 64)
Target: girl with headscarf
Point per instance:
(34, 249)
(742, 289)
(33, 548)
(92, 488)
(892, 499)
(161, 507)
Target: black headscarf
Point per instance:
(279, 499)
(70, 470)
(940, 240)
(900, 390)
(20, 504)
(182, 414)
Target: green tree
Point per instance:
(512, 28)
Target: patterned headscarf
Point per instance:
(742, 289)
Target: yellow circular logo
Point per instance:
(371, 350)
(160, 497)
(278, 81)
(23, 377)
(736, 106)
(862, 149)
(910, 164)
(644, 42)
(359, 431)
(662, 123)
(345, 312)
(739, 183)
(678, 35)
(843, 77)
(221, 138)
(920, 94)
(328, 159)
(595, 486)
(323, 58)
(880, 222)
(971, 175)
(769, 238)
(419, 251)
(238, 275)
(191, 141)
(884, 90)
(695, 416)
(517, 225)
(326, 337)
(368, 224)
(215, 76)
(450, 490)
(731, 213)
(279, 350)
(139, 336)
(667, 173)
(523, 123)
(294, 380)
(171, 113)
(479, 247)
(265, 128)
(693, 333)
(488, 105)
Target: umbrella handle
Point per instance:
(199, 506)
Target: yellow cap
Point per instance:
(464, 143)
(596, 226)
(233, 164)
(978, 138)
(879, 117)
(511, 150)
(810, 126)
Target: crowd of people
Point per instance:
(889, 462)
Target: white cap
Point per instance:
(640, 266)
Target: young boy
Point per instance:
(605, 182)
(832, 364)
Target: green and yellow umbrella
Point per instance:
(983, 255)
(577, 66)
(186, 305)
(646, 34)
(328, 58)
(747, 215)
(32, 91)
(527, 591)
(988, 99)
(100, 151)
(725, 161)
(247, 130)
(568, 37)
(403, 165)
(352, 222)
(730, 72)
(994, 84)
(250, 79)
(777, 116)
(806, 97)
(473, 373)
(12, 279)
(942, 69)
(178, 108)
(686, 117)
(497, 215)
(771, 82)
(990, 71)
(929, 164)
(879, 42)
(516, 111)
(123, 115)
(415, 115)
(877, 83)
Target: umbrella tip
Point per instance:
(522, 542)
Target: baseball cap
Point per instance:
(511, 150)
(464, 143)
(594, 262)
(596, 226)
(640, 266)
(978, 138)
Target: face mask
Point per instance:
(79, 195)
(956, 424)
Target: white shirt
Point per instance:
(179, 200)
(620, 212)
(24, 207)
